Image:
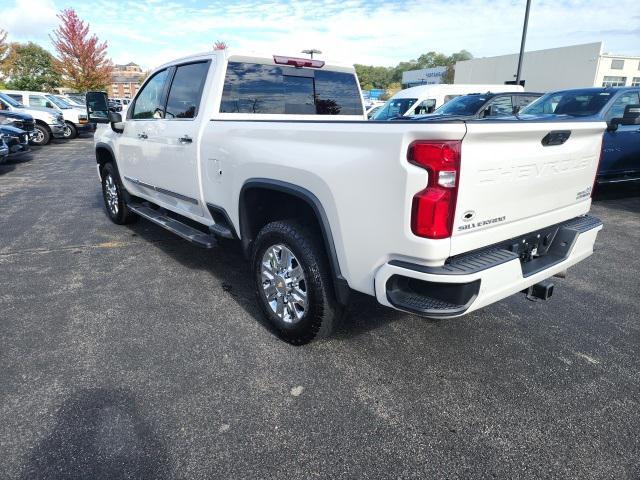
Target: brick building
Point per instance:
(125, 80)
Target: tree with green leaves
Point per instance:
(383, 77)
(28, 66)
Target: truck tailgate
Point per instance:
(516, 177)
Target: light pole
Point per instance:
(311, 51)
(524, 38)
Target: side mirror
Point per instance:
(631, 115)
(486, 112)
(98, 107)
(516, 109)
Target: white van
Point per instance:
(426, 98)
(75, 119)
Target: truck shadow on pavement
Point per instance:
(99, 434)
(228, 265)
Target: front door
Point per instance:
(136, 144)
(621, 147)
(173, 167)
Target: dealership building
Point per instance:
(554, 69)
(425, 76)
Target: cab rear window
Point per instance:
(271, 89)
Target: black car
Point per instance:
(22, 121)
(16, 139)
(481, 105)
(4, 151)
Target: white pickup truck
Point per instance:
(436, 219)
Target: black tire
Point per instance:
(42, 137)
(321, 311)
(70, 131)
(116, 208)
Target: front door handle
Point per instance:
(185, 139)
(143, 136)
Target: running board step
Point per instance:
(221, 230)
(183, 230)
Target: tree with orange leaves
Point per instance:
(82, 58)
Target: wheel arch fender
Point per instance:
(341, 286)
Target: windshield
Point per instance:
(577, 103)
(394, 108)
(464, 105)
(10, 101)
(58, 102)
(70, 101)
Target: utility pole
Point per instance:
(524, 39)
(311, 51)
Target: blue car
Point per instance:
(619, 107)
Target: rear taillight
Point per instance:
(434, 207)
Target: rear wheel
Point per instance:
(113, 195)
(70, 131)
(293, 284)
(41, 135)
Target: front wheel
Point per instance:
(41, 135)
(293, 284)
(113, 195)
(70, 131)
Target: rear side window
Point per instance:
(501, 106)
(16, 96)
(186, 90)
(270, 89)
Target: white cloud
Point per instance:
(379, 32)
(28, 19)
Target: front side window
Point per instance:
(270, 89)
(186, 90)
(635, 82)
(150, 101)
(614, 81)
(500, 107)
(619, 104)
(425, 107)
(524, 100)
(39, 101)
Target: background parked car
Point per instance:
(426, 98)
(621, 142)
(49, 122)
(23, 121)
(482, 105)
(17, 140)
(4, 150)
(75, 119)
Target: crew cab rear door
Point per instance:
(517, 176)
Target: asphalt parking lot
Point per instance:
(126, 352)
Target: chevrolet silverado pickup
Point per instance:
(436, 219)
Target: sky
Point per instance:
(375, 32)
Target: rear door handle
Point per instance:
(185, 139)
(143, 136)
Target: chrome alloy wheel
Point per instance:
(283, 284)
(67, 131)
(38, 136)
(111, 194)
